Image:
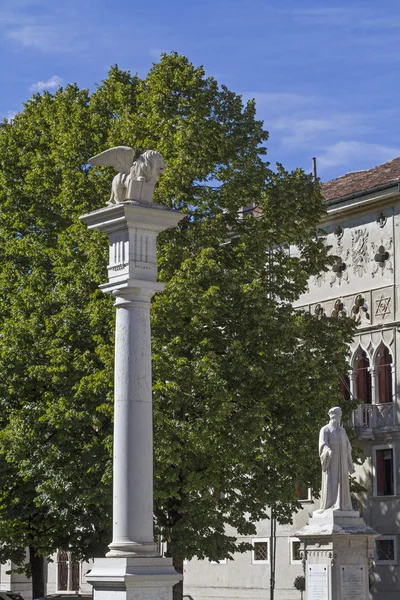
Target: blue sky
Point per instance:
(325, 75)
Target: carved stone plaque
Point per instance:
(352, 582)
(317, 582)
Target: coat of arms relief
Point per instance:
(382, 256)
(359, 251)
(362, 255)
(339, 272)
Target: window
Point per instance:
(219, 495)
(386, 550)
(384, 370)
(67, 572)
(344, 386)
(362, 378)
(303, 494)
(260, 553)
(295, 547)
(384, 480)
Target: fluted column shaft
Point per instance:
(133, 430)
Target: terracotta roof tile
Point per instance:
(361, 180)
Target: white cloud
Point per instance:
(351, 152)
(41, 26)
(300, 119)
(302, 124)
(8, 116)
(53, 83)
(305, 130)
(43, 37)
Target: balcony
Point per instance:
(368, 417)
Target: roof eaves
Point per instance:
(371, 190)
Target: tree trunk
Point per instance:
(37, 571)
(177, 592)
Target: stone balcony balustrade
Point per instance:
(369, 417)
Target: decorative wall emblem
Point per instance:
(360, 311)
(382, 256)
(359, 251)
(339, 269)
(381, 219)
(319, 279)
(339, 309)
(338, 233)
(383, 306)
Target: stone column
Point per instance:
(133, 432)
(133, 567)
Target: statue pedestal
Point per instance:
(337, 548)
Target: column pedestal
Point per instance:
(337, 548)
(133, 578)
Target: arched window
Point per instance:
(344, 386)
(67, 572)
(384, 375)
(362, 378)
(62, 570)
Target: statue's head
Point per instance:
(335, 415)
(149, 166)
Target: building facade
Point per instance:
(63, 575)
(363, 228)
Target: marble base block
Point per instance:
(133, 578)
(337, 548)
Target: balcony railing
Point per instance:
(373, 416)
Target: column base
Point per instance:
(132, 550)
(139, 578)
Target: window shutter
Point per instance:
(380, 473)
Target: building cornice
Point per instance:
(359, 203)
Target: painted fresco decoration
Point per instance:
(359, 251)
(382, 306)
(360, 311)
(339, 269)
(382, 257)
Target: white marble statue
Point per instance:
(336, 462)
(135, 179)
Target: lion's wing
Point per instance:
(119, 157)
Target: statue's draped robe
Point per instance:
(336, 461)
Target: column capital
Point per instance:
(136, 292)
(132, 228)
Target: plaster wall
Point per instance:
(357, 232)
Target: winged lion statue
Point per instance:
(136, 178)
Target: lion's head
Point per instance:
(148, 167)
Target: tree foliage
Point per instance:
(242, 380)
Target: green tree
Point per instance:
(240, 376)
